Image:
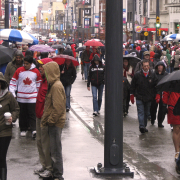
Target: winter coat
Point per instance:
(141, 55)
(152, 53)
(159, 52)
(168, 56)
(96, 74)
(55, 101)
(139, 66)
(156, 58)
(143, 87)
(126, 87)
(42, 93)
(164, 58)
(69, 75)
(177, 59)
(73, 50)
(26, 83)
(7, 104)
(85, 56)
(164, 73)
(10, 70)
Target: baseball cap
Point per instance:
(146, 53)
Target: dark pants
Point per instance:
(127, 101)
(56, 150)
(27, 116)
(161, 111)
(4, 144)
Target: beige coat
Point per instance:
(55, 102)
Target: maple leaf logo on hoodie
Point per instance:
(27, 81)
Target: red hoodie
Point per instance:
(152, 53)
(42, 92)
(73, 50)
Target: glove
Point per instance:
(132, 98)
(158, 97)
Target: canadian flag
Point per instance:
(27, 81)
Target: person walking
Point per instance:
(7, 104)
(54, 116)
(14, 65)
(86, 61)
(177, 60)
(42, 135)
(95, 51)
(142, 52)
(96, 79)
(68, 76)
(26, 81)
(143, 88)
(160, 71)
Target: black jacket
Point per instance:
(139, 66)
(143, 87)
(96, 75)
(69, 75)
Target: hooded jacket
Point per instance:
(177, 59)
(11, 67)
(7, 104)
(152, 53)
(26, 83)
(164, 73)
(55, 101)
(96, 74)
(164, 58)
(42, 93)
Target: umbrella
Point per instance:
(41, 48)
(170, 82)
(132, 60)
(60, 59)
(58, 46)
(82, 48)
(6, 54)
(1, 41)
(166, 39)
(173, 36)
(13, 35)
(93, 43)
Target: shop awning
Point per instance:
(154, 29)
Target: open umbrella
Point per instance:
(41, 48)
(170, 82)
(132, 60)
(173, 36)
(57, 46)
(13, 35)
(82, 48)
(93, 42)
(60, 59)
(6, 54)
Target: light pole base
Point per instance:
(125, 171)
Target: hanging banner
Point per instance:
(74, 24)
(96, 21)
(124, 17)
(86, 23)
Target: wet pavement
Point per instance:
(149, 156)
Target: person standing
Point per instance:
(7, 104)
(26, 81)
(54, 116)
(14, 65)
(68, 76)
(143, 88)
(42, 136)
(96, 79)
(177, 60)
(86, 61)
(160, 71)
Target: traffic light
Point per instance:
(20, 19)
(158, 25)
(34, 18)
(177, 26)
(46, 20)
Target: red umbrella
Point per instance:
(1, 41)
(60, 59)
(93, 43)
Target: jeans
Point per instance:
(143, 109)
(56, 150)
(97, 101)
(68, 92)
(86, 70)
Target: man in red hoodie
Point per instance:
(42, 136)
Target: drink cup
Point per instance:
(7, 116)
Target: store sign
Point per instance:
(87, 2)
(87, 12)
(139, 7)
(138, 29)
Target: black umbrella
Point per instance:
(6, 54)
(81, 48)
(57, 46)
(170, 82)
(133, 60)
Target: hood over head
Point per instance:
(52, 72)
(44, 61)
(177, 52)
(4, 86)
(162, 64)
(167, 51)
(96, 58)
(18, 53)
(164, 53)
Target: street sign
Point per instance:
(146, 33)
(14, 21)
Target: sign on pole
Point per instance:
(14, 21)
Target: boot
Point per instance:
(3, 174)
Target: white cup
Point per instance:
(7, 116)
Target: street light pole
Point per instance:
(133, 23)
(6, 19)
(113, 137)
(157, 15)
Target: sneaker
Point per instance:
(95, 113)
(46, 174)
(176, 156)
(178, 164)
(142, 130)
(171, 128)
(38, 171)
(98, 112)
(23, 133)
(67, 110)
(34, 134)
